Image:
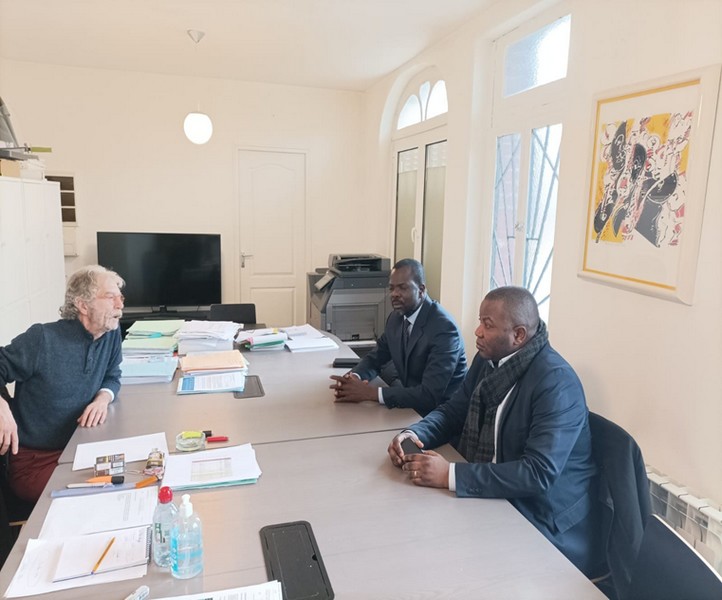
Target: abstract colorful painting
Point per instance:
(650, 159)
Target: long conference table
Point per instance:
(379, 535)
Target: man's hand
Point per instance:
(8, 429)
(349, 388)
(396, 453)
(96, 412)
(428, 469)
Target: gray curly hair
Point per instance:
(84, 285)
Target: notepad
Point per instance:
(80, 554)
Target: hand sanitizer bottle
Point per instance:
(163, 518)
(186, 542)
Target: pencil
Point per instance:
(148, 481)
(102, 556)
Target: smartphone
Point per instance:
(409, 447)
(345, 363)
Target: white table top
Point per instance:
(298, 404)
(379, 535)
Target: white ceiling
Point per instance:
(340, 44)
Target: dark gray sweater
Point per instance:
(58, 368)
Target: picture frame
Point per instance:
(647, 183)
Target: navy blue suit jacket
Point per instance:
(544, 463)
(434, 365)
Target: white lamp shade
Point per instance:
(198, 127)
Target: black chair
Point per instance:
(238, 313)
(625, 502)
(668, 568)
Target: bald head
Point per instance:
(519, 304)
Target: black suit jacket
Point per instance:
(434, 365)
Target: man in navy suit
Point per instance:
(524, 429)
(423, 342)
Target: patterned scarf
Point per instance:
(477, 439)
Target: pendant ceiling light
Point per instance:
(197, 125)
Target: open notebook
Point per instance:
(80, 555)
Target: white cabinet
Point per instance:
(32, 270)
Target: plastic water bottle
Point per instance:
(163, 518)
(186, 542)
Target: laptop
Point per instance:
(9, 146)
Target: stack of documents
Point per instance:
(262, 339)
(213, 362)
(206, 336)
(211, 372)
(304, 338)
(149, 346)
(152, 329)
(147, 369)
(232, 465)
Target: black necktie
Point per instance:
(405, 335)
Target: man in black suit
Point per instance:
(423, 342)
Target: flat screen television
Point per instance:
(162, 270)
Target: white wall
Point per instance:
(651, 365)
(121, 135)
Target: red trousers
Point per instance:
(30, 470)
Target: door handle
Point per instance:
(244, 256)
(413, 235)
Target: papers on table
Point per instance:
(305, 338)
(149, 346)
(37, 568)
(213, 362)
(135, 448)
(147, 369)
(72, 526)
(80, 556)
(153, 328)
(210, 384)
(310, 344)
(232, 465)
(79, 515)
(206, 336)
(262, 339)
(271, 590)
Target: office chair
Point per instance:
(623, 491)
(668, 568)
(238, 313)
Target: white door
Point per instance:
(272, 187)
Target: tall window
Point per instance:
(420, 154)
(528, 142)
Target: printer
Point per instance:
(349, 298)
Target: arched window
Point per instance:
(420, 149)
(423, 101)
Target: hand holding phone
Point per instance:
(409, 446)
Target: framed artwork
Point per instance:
(648, 180)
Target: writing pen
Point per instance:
(102, 556)
(217, 438)
(88, 485)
